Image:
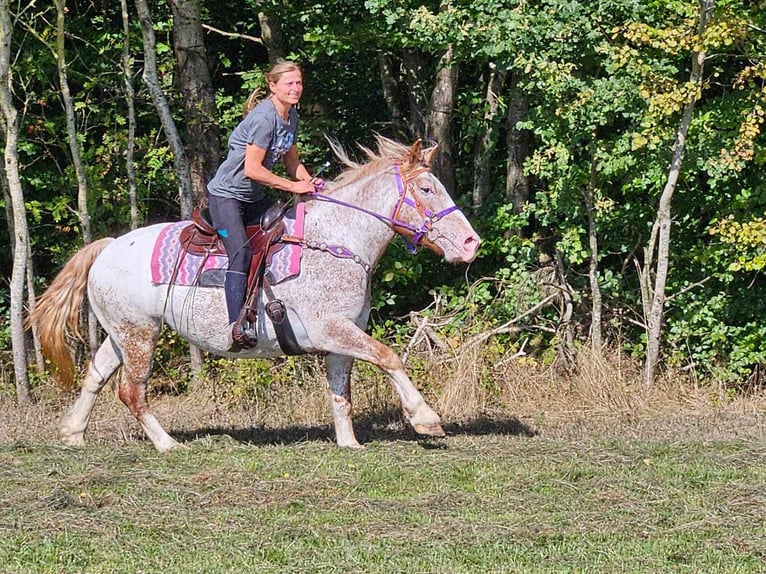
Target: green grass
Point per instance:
(482, 503)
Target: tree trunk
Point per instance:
(390, 83)
(517, 143)
(127, 69)
(71, 127)
(439, 119)
(39, 359)
(74, 148)
(663, 220)
(596, 338)
(411, 64)
(20, 237)
(485, 141)
(180, 163)
(565, 330)
(202, 134)
(271, 37)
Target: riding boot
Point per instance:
(241, 318)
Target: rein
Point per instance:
(403, 187)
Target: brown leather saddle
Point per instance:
(201, 239)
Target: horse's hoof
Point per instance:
(73, 440)
(433, 429)
(352, 445)
(166, 447)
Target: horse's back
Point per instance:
(120, 280)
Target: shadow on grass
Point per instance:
(388, 426)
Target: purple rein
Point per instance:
(429, 217)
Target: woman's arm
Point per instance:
(294, 166)
(255, 170)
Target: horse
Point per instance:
(346, 231)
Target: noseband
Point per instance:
(405, 188)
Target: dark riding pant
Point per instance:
(230, 218)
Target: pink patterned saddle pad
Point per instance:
(167, 255)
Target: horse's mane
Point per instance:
(388, 153)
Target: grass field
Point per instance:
(665, 492)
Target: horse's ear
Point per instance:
(428, 155)
(416, 153)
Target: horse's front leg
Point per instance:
(339, 383)
(345, 338)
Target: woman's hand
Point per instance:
(302, 186)
(318, 183)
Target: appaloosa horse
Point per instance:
(346, 230)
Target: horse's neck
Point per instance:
(360, 232)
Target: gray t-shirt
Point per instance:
(262, 127)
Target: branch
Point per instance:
(507, 326)
(688, 288)
(424, 331)
(34, 33)
(416, 337)
(520, 353)
(234, 34)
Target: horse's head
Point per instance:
(422, 211)
(426, 215)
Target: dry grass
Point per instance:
(604, 397)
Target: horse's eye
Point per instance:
(426, 190)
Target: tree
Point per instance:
(660, 237)
(484, 142)
(203, 146)
(439, 117)
(151, 79)
(127, 74)
(20, 232)
(74, 147)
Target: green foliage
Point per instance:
(5, 320)
(170, 364)
(603, 87)
(703, 332)
(746, 242)
(249, 382)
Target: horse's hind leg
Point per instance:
(138, 350)
(339, 381)
(75, 421)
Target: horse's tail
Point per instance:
(57, 312)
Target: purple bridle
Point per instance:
(403, 187)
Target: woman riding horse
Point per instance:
(266, 135)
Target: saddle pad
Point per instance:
(283, 264)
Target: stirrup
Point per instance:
(243, 332)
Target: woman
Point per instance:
(266, 135)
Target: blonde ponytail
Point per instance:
(252, 100)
